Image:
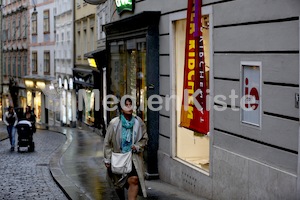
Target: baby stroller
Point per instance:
(25, 133)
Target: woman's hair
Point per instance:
(120, 106)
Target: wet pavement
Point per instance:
(78, 167)
(79, 170)
(67, 164)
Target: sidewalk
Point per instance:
(3, 131)
(78, 169)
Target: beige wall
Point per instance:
(86, 25)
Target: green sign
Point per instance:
(124, 5)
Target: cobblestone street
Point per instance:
(26, 175)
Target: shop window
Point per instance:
(88, 114)
(191, 147)
(128, 73)
(29, 97)
(37, 105)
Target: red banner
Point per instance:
(194, 114)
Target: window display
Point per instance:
(191, 147)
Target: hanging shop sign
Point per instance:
(251, 93)
(194, 114)
(124, 5)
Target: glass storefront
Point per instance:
(88, 114)
(37, 106)
(69, 107)
(192, 147)
(63, 107)
(128, 73)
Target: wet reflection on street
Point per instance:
(82, 162)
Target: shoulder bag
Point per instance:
(121, 163)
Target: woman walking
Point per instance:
(10, 119)
(118, 139)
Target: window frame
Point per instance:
(34, 24)
(46, 62)
(34, 61)
(46, 21)
(173, 109)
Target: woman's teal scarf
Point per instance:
(127, 129)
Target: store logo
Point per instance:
(123, 5)
(252, 99)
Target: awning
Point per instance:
(85, 77)
(84, 84)
(92, 53)
(100, 56)
(137, 23)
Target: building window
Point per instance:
(46, 21)
(68, 36)
(34, 23)
(197, 152)
(4, 66)
(14, 66)
(14, 29)
(25, 64)
(8, 32)
(19, 66)
(24, 27)
(34, 62)
(46, 62)
(85, 42)
(78, 45)
(78, 3)
(8, 66)
(92, 42)
(20, 27)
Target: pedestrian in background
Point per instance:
(30, 116)
(119, 139)
(10, 119)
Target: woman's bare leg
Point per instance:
(133, 188)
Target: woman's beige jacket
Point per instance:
(112, 143)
